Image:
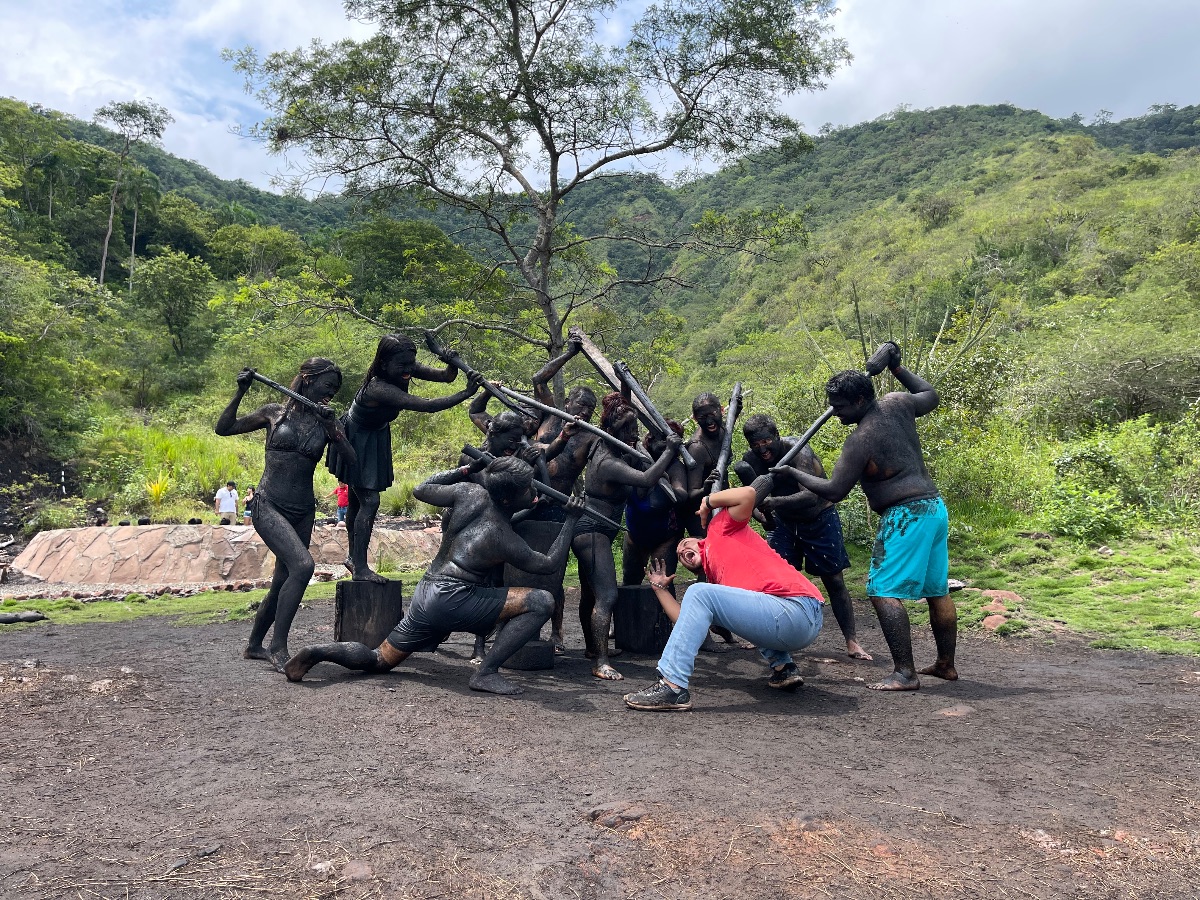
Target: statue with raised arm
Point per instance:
(910, 559)
(611, 475)
(454, 594)
(384, 393)
(284, 505)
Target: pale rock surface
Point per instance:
(174, 554)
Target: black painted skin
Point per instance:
(389, 390)
(287, 481)
(789, 501)
(539, 426)
(883, 453)
(611, 475)
(705, 448)
(476, 537)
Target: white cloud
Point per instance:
(1059, 56)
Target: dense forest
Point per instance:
(1045, 273)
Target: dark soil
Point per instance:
(147, 760)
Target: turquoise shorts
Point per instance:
(910, 559)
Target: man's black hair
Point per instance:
(758, 422)
(508, 478)
(507, 421)
(708, 398)
(583, 394)
(850, 386)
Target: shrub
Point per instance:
(51, 514)
(1087, 514)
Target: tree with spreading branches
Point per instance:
(136, 122)
(502, 110)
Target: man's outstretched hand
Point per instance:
(657, 575)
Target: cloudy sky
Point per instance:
(1058, 56)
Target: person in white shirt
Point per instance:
(225, 503)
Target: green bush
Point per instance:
(1087, 514)
(51, 514)
(398, 500)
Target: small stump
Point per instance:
(366, 612)
(534, 656)
(639, 623)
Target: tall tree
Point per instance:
(174, 287)
(503, 109)
(135, 122)
(143, 189)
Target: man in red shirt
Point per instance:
(748, 588)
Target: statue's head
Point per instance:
(655, 444)
(395, 359)
(318, 379)
(762, 435)
(618, 418)
(850, 394)
(509, 481)
(505, 432)
(706, 412)
(581, 402)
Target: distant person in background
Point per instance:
(248, 507)
(225, 503)
(342, 493)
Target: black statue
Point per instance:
(384, 393)
(910, 559)
(285, 507)
(610, 477)
(453, 595)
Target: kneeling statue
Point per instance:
(453, 595)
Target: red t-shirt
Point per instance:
(341, 493)
(735, 555)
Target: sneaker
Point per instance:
(659, 696)
(786, 679)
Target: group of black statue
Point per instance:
(529, 467)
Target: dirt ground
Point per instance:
(148, 760)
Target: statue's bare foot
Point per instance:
(297, 667)
(854, 650)
(493, 683)
(366, 574)
(724, 634)
(607, 673)
(279, 657)
(896, 682)
(938, 670)
(256, 651)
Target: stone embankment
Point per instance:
(164, 556)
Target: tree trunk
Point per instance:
(132, 245)
(112, 210)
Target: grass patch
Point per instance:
(1140, 594)
(200, 609)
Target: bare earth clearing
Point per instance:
(147, 760)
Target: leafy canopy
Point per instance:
(503, 109)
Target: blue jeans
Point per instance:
(774, 624)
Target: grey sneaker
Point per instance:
(785, 679)
(658, 697)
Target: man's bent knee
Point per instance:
(540, 601)
(389, 655)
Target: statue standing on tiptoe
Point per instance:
(384, 393)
